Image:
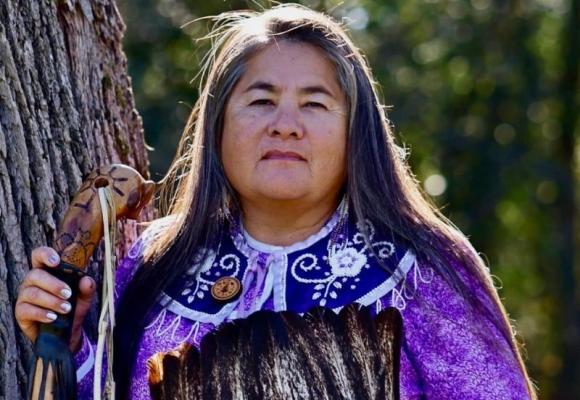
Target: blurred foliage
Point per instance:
(485, 95)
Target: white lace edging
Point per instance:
(279, 286)
(194, 315)
(254, 244)
(400, 273)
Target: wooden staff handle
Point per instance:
(82, 226)
(53, 375)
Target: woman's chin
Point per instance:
(281, 190)
(284, 185)
(285, 193)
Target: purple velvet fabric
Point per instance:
(448, 353)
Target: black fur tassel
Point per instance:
(283, 355)
(53, 371)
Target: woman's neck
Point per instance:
(286, 223)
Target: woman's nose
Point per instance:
(287, 123)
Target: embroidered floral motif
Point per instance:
(201, 278)
(346, 259)
(330, 269)
(207, 263)
(347, 262)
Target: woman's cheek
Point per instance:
(326, 125)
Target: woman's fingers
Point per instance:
(44, 256)
(30, 314)
(35, 304)
(38, 297)
(44, 280)
(41, 296)
(87, 289)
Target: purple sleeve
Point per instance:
(85, 357)
(451, 353)
(85, 361)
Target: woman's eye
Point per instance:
(262, 102)
(315, 104)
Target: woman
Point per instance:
(288, 179)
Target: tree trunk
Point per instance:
(66, 107)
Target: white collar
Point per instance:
(309, 241)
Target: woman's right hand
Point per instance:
(42, 296)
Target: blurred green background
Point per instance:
(484, 93)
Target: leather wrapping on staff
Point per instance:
(52, 344)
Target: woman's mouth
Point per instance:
(283, 155)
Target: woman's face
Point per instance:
(285, 127)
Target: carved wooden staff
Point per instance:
(53, 373)
(283, 355)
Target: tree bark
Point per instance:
(66, 107)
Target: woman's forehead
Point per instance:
(290, 65)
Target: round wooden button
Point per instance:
(226, 288)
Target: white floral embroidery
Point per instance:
(331, 277)
(230, 261)
(347, 262)
(383, 248)
(346, 258)
(205, 266)
(200, 278)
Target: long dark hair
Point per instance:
(379, 185)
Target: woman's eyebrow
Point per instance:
(261, 85)
(315, 90)
(269, 87)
